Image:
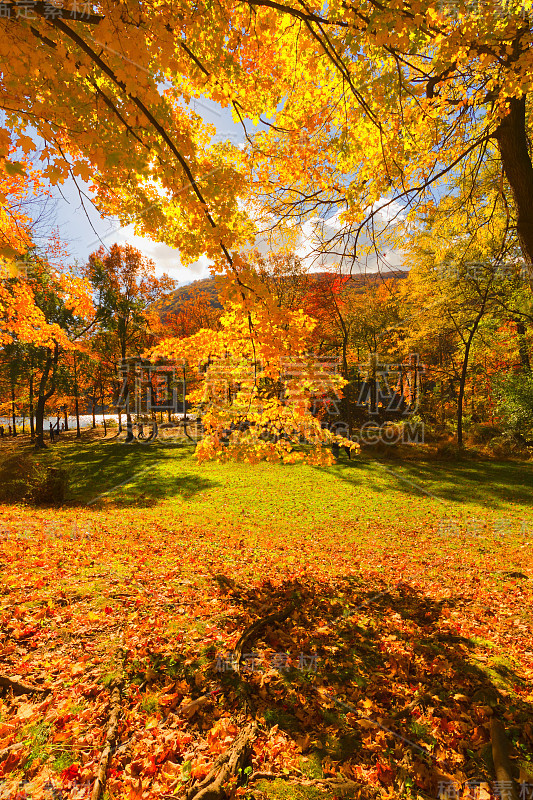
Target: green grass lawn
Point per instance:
(424, 508)
(458, 502)
(363, 490)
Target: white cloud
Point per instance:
(166, 259)
(324, 244)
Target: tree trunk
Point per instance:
(462, 390)
(346, 402)
(39, 416)
(66, 418)
(464, 370)
(512, 141)
(417, 382)
(76, 400)
(374, 386)
(103, 413)
(13, 406)
(44, 396)
(184, 406)
(32, 426)
(94, 411)
(522, 345)
(129, 424)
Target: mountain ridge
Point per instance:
(210, 286)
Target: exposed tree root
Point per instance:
(256, 627)
(500, 756)
(112, 729)
(20, 688)
(263, 776)
(226, 766)
(341, 787)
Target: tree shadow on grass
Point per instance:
(495, 484)
(394, 682)
(136, 475)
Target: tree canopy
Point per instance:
(363, 101)
(381, 116)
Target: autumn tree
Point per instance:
(21, 190)
(13, 368)
(23, 195)
(69, 315)
(402, 98)
(256, 401)
(126, 288)
(103, 117)
(456, 290)
(43, 303)
(64, 314)
(369, 100)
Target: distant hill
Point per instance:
(172, 302)
(363, 281)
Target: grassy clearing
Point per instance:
(400, 611)
(366, 490)
(282, 513)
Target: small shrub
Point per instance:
(507, 445)
(23, 479)
(481, 434)
(449, 451)
(49, 486)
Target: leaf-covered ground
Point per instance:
(409, 587)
